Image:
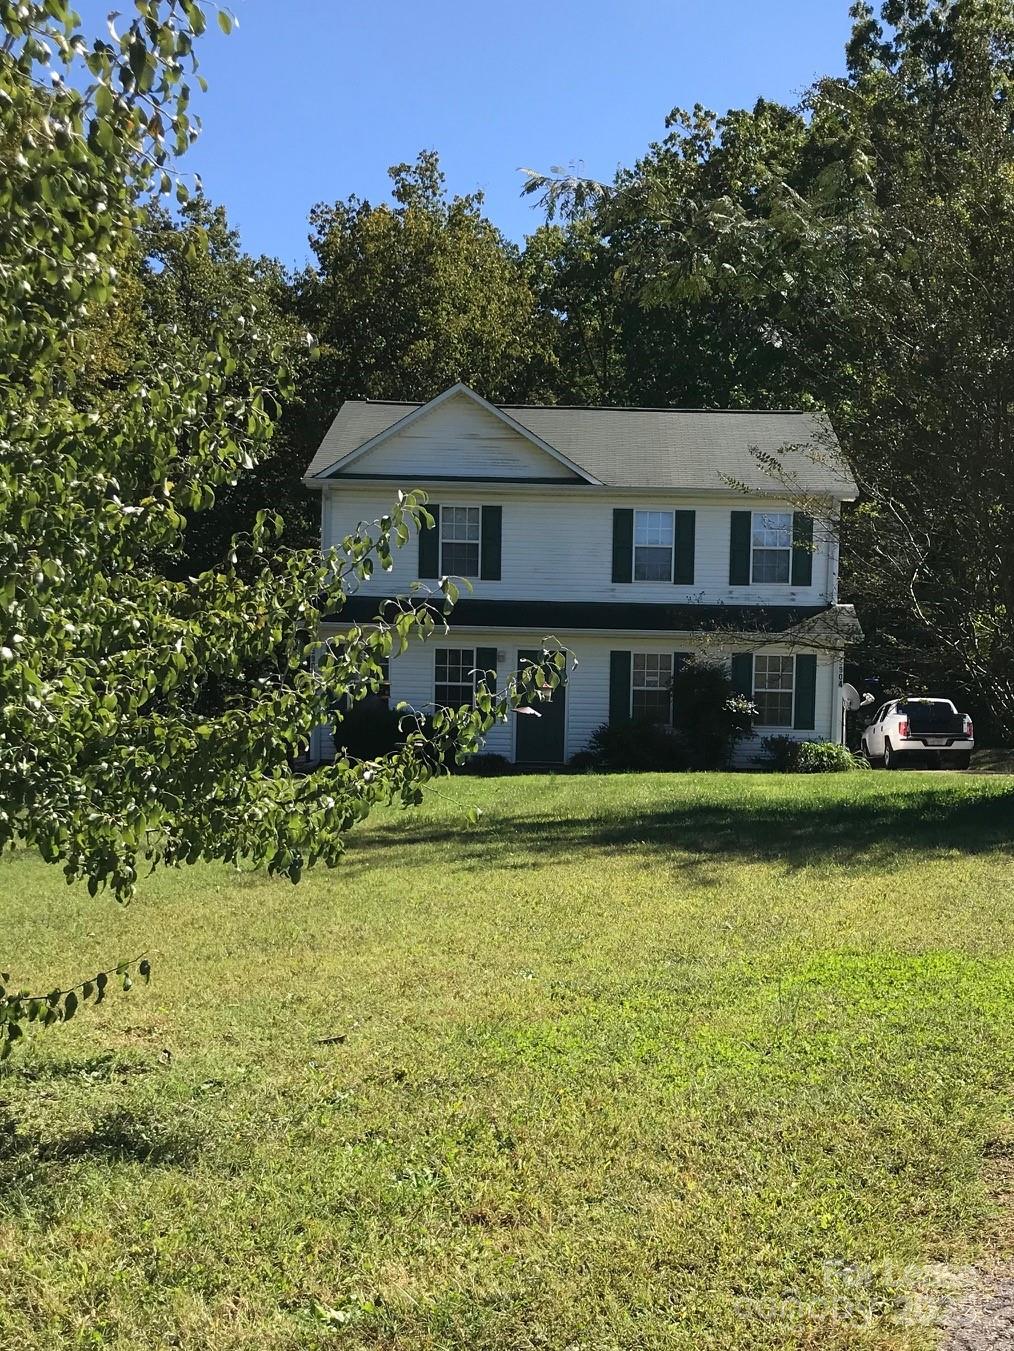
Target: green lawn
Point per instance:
(642, 1062)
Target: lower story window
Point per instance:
(454, 684)
(384, 685)
(773, 686)
(651, 686)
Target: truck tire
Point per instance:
(959, 760)
(891, 760)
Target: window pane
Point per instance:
(652, 565)
(454, 680)
(453, 696)
(773, 687)
(652, 670)
(653, 541)
(772, 529)
(460, 523)
(651, 686)
(773, 673)
(460, 531)
(772, 546)
(771, 565)
(774, 710)
(459, 559)
(653, 527)
(654, 704)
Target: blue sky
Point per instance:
(311, 100)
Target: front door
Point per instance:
(540, 740)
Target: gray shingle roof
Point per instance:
(684, 449)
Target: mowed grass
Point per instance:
(716, 1061)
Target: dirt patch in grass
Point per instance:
(983, 1318)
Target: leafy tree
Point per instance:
(106, 758)
(409, 297)
(632, 326)
(854, 253)
(886, 275)
(192, 272)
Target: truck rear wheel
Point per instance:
(890, 758)
(959, 759)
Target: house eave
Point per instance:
(525, 486)
(832, 627)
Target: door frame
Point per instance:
(566, 707)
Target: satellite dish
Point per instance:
(852, 699)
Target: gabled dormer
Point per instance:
(456, 437)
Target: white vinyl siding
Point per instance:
(557, 545)
(460, 438)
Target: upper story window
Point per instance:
(454, 672)
(771, 546)
(460, 535)
(651, 686)
(653, 545)
(773, 687)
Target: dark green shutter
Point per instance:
(686, 530)
(679, 660)
(802, 549)
(623, 544)
(492, 529)
(485, 662)
(805, 711)
(619, 688)
(742, 673)
(739, 549)
(429, 545)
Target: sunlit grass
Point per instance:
(640, 1062)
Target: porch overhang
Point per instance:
(811, 625)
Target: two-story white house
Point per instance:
(634, 537)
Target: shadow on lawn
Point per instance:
(30, 1167)
(875, 832)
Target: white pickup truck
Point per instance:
(919, 731)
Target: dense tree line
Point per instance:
(853, 252)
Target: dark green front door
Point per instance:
(540, 740)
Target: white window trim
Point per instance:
(791, 692)
(663, 722)
(653, 581)
(753, 516)
(444, 572)
(444, 647)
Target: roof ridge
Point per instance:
(649, 408)
(605, 407)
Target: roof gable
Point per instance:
(456, 435)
